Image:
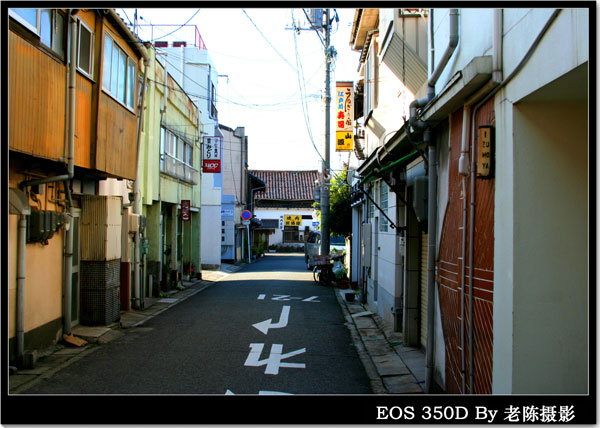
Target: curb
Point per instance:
(66, 355)
(389, 373)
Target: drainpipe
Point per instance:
(71, 171)
(497, 58)
(452, 43)
(137, 199)
(420, 125)
(20, 325)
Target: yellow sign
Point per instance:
(344, 119)
(343, 141)
(292, 220)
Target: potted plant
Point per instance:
(189, 269)
(342, 276)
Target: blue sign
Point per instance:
(315, 223)
(246, 215)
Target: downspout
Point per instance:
(20, 322)
(136, 192)
(65, 178)
(420, 125)
(504, 82)
(71, 173)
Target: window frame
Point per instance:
(54, 14)
(24, 22)
(89, 73)
(383, 205)
(131, 78)
(295, 231)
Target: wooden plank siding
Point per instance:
(450, 266)
(105, 130)
(37, 94)
(116, 143)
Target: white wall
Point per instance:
(274, 214)
(540, 250)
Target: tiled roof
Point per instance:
(286, 185)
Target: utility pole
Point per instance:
(325, 168)
(325, 171)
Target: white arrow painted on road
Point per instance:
(229, 392)
(264, 326)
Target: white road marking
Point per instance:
(229, 392)
(264, 326)
(273, 363)
(261, 297)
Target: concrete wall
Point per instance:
(541, 211)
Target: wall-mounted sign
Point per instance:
(185, 210)
(484, 149)
(344, 119)
(293, 220)
(211, 154)
(246, 215)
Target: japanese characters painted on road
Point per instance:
(293, 220)
(274, 361)
(264, 326)
(185, 210)
(286, 297)
(344, 119)
(211, 154)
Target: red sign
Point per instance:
(211, 154)
(246, 215)
(185, 210)
(211, 166)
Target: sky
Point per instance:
(262, 87)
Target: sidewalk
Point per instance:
(392, 368)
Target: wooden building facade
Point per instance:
(74, 89)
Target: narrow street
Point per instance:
(267, 329)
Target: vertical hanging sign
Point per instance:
(211, 154)
(185, 209)
(344, 119)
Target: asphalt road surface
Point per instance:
(267, 329)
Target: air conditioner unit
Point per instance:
(133, 223)
(100, 227)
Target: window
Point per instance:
(176, 147)
(85, 48)
(48, 24)
(27, 17)
(371, 76)
(52, 30)
(291, 234)
(118, 77)
(383, 204)
(212, 101)
(371, 206)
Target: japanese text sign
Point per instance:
(344, 119)
(293, 220)
(185, 210)
(211, 154)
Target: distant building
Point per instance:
(287, 193)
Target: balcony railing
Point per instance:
(175, 168)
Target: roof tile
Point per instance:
(286, 185)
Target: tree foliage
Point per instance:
(340, 209)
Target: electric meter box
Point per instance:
(41, 225)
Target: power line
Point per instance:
(178, 28)
(269, 42)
